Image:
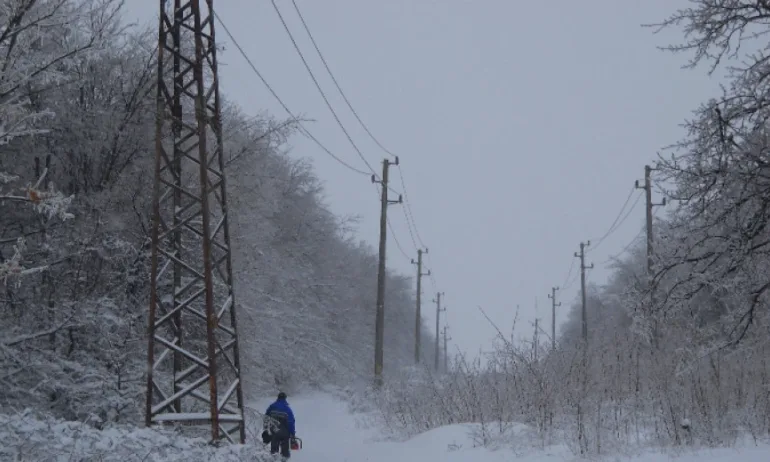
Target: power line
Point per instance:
(393, 190)
(624, 249)
(432, 278)
(572, 281)
(616, 224)
(569, 273)
(395, 239)
(408, 209)
(339, 88)
(612, 226)
(313, 138)
(303, 130)
(629, 211)
(627, 246)
(409, 227)
(307, 133)
(567, 284)
(320, 90)
(393, 231)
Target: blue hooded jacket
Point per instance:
(282, 405)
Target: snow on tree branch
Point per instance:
(717, 29)
(12, 268)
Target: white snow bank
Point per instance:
(473, 441)
(465, 442)
(471, 435)
(759, 453)
(25, 437)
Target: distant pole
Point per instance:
(584, 323)
(535, 343)
(380, 317)
(552, 296)
(418, 316)
(583, 268)
(446, 350)
(648, 193)
(438, 315)
(648, 209)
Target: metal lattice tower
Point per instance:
(193, 360)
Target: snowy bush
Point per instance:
(27, 437)
(621, 396)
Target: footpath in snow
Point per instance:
(330, 433)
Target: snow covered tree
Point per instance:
(40, 41)
(82, 110)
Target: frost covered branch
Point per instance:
(24, 338)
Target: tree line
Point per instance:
(77, 125)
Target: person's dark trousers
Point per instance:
(282, 444)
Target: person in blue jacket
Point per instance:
(279, 422)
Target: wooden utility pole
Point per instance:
(583, 268)
(552, 296)
(584, 325)
(536, 342)
(648, 193)
(438, 315)
(648, 209)
(418, 317)
(446, 351)
(379, 325)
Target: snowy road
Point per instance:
(330, 434)
(328, 431)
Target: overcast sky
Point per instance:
(520, 126)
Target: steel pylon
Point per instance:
(194, 375)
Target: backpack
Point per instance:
(278, 424)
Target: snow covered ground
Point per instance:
(329, 431)
(331, 434)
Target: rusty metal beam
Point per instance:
(194, 375)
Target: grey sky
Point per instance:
(521, 127)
